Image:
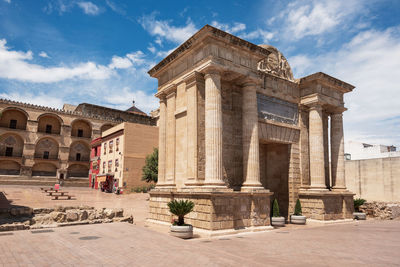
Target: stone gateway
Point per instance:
(236, 130)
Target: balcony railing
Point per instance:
(82, 159)
(13, 155)
(46, 158)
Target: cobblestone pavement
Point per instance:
(370, 243)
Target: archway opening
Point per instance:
(11, 145)
(46, 148)
(81, 128)
(13, 119)
(49, 124)
(274, 170)
(79, 151)
(9, 167)
(78, 171)
(44, 169)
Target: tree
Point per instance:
(275, 209)
(297, 208)
(150, 169)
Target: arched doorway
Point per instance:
(9, 167)
(46, 148)
(11, 145)
(44, 169)
(81, 128)
(14, 118)
(49, 123)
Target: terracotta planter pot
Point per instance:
(298, 219)
(278, 221)
(185, 231)
(359, 215)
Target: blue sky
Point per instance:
(55, 52)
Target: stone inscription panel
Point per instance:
(275, 109)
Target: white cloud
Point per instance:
(7, 1)
(17, 65)
(114, 7)
(370, 61)
(265, 36)
(163, 29)
(143, 100)
(89, 8)
(316, 17)
(120, 63)
(233, 29)
(151, 48)
(43, 54)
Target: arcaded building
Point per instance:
(236, 130)
(40, 143)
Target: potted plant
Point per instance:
(297, 217)
(180, 208)
(276, 219)
(358, 215)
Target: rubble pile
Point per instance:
(381, 210)
(22, 218)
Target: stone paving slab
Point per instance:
(370, 243)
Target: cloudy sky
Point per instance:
(58, 51)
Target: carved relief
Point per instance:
(275, 63)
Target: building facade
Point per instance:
(358, 150)
(95, 145)
(124, 148)
(237, 130)
(40, 142)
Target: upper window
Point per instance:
(48, 128)
(117, 144)
(9, 151)
(104, 166)
(110, 146)
(13, 124)
(78, 156)
(80, 133)
(46, 154)
(105, 148)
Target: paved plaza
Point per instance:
(370, 243)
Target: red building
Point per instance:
(94, 162)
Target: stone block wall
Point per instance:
(215, 211)
(327, 206)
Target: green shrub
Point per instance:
(275, 209)
(150, 169)
(142, 189)
(297, 208)
(358, 202)
(180, 208)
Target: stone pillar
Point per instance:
(213, 130)
(192, 81)
(162, 141)
(325, 117)
(337, 152)
(170, 140)
(316, 139)
(251, 157)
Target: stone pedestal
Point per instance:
(216, 210)
(327, 205)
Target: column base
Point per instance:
(340, 188)
(327, 205)
(249, 188)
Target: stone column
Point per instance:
(192, 82)
(213, 130)
(325, 117)
(162, 141)
(170, 140)
(337, 152)
(251, 157)
(316, 139)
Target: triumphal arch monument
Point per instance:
(237, 130)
